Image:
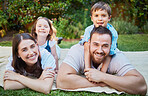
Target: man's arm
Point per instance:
(132, 82)
(68, 79)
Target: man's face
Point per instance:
(100, 18)
(99, 47)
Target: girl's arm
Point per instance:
(40, 85)
(54, 53)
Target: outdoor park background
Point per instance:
(70, 18)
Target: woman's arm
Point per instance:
(40, 85)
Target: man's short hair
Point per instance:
(101, 30)
(101, 5)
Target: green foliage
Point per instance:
(144, 29)
(124, 26)
(67, 30)
(2, 33)
(19, 14)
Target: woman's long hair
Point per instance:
(33, 29)
(18, 64)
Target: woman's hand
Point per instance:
(47, 73)
(10, 75)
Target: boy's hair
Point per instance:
(101, 5)
(100, 30)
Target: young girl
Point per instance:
(30, 67)
(42, 31)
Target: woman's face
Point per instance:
(28, 51)
(42, 28)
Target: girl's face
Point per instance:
(42, 28)
(28, 52)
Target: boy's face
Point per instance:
(100, 18)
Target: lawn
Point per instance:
(136, 42)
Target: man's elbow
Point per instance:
(142, 89)
(61, 81)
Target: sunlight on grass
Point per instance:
(135, 42)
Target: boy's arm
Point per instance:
(86, 35)
(86, 55)
(106, 64)
(114, 39)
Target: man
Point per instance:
(126, 78)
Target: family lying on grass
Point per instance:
(96, 57)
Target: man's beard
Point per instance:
(97, 62)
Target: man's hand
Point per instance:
(47, 73)
(94, 75)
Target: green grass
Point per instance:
(68, 44)
(29, 92)
(6, 43)
(136, 42)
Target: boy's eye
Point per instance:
(103, 15)
(96, 15)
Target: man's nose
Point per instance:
(99, 49)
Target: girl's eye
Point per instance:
(46, 26)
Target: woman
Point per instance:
(28, 68)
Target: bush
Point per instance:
(67, 29)
(144, 29)
(124, 26)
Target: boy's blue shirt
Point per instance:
(114, 37)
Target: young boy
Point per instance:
(100, 16)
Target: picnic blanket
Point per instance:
(138, 59)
